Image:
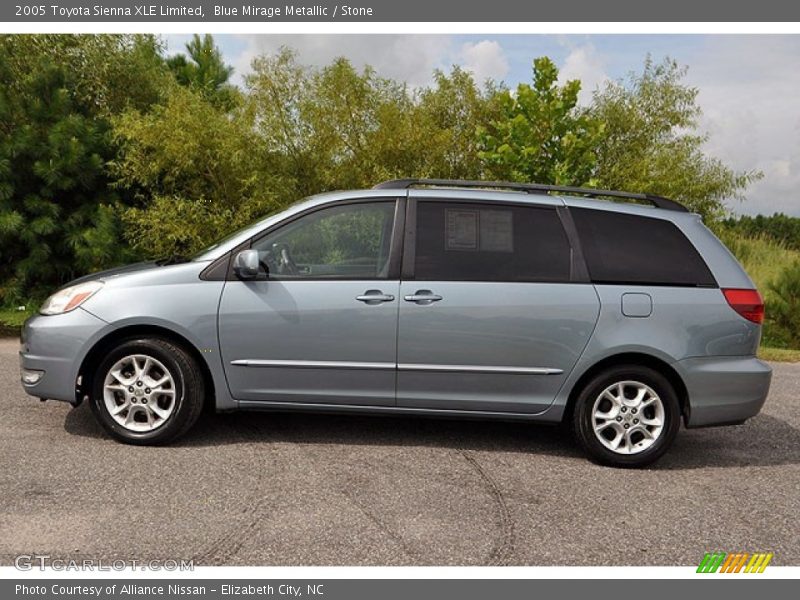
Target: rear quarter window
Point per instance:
(631, 249)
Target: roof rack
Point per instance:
(532, 188)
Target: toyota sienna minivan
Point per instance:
(429, 298)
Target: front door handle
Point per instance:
(373, 297)
(422, 297)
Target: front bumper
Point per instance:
(57, 345)
(724, 390)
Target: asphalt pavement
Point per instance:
(295, 489)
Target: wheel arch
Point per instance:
(630, 358)
(95, 355)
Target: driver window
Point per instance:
(351, 241)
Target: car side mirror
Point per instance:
(246, 264)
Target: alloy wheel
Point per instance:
(139, 393)
(628, 417)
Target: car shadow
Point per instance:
(257, 427)
(762, 441)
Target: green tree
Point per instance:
(355, 116)
(58, 211)
(779, 227)
(105, 74)
(330, 128)
(192, 171)
(205, 71)
(541, 134)
(337, 127)
(277, 91)
(447, 117)
(651, 143)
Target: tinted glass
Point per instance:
(490, 242)
(623, 248)
(342, 242)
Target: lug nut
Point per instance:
(144, 400)
(139, 383)
(133, 400)
(626, 426)
(633, 411)
(130, 389)
(619, 418)
(624, 409)
(146, 390)
(635, 421)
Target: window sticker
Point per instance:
(462, 229)
(496, 231)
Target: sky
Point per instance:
(749, 85)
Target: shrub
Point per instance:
(783, 308)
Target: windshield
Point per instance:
(201, 255)
(229, 241)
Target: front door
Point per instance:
(321, 327)
(490, 317)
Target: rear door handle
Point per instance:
(372, 297)
(422, 297)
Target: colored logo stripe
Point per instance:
(758, 563)
(711, 562)
(741, 562)
(734, 562)
(726, 566)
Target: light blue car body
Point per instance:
(487, 349)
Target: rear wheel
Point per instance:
(147, 391)
(627, 416)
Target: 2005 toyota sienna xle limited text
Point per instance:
(424, 297)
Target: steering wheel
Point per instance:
(282, 256)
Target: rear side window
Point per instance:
(490, 242)
(623, 248)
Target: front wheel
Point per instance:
(627, 416)
(147, 391)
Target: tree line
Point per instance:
(778, 227)
(112, 151)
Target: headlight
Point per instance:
(70, 298)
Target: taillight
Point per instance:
(747, 303)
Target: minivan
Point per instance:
(616, 313)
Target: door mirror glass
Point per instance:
(246, 264)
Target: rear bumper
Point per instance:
(55, 345)
(724, 390)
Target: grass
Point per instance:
(12, 318)
(11, 321)
(762, 258)
(778, 354)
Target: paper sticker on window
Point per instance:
(496, 231)
(462, 229)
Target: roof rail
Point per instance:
(532, 188)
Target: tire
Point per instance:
(649, 398)
(153, 387)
